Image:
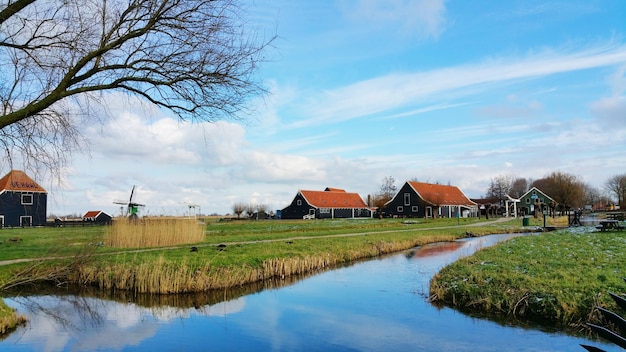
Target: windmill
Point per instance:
(132, 208)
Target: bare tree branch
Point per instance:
(194, 58)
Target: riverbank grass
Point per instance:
(554, 277)
(9, 319)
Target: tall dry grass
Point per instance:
(165, 276)
(153, 232)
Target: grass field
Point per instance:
(230, 253)
(554, 277)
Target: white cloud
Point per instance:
(397, 91)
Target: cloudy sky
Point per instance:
(455, 92)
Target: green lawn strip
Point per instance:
(557, 277)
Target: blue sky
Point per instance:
(455, 92)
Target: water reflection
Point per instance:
(377, 305)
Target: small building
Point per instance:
(330, 203)
(427, 200)
(535, 202)
(23, 202)
(97, 217)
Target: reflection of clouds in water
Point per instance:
(222, 309)
(77, 323)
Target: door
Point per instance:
(26, 221)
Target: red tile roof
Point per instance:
(330, 189)
(440, 194)
(333, 199)
(17, 180)
(92, 214)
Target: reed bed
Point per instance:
(171, 274)
(153, 232)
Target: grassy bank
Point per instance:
(231, 253)
(555, 277)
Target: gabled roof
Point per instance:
(536, 190)
(17, 180)
(440, 194)
(94, 214)
(333, 199)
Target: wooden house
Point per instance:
(330, 203)
(97, 217)
(23, 202)
(535, 202)
(427, 200)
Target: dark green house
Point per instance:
(535, 202)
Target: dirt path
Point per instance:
(25, 260)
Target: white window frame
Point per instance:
(324, 210)
(400, 209)
(30, 222)
(415, 208)
(407, 199)
(1, 221)
(26, 195)
(299, 202)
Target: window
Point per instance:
(26, 221)
(414, 209)
(299, 202)
(400, 209)
(324, 210)
(407, 199)
(527, 200)
(27, 199)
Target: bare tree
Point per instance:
(250, 209)
(388, 188)
(518, 187)
(499, 187)
(57, 58)
(566, 189)
(239, 208)
(616, 186)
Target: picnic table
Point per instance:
(606, 225)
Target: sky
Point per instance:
(452, 92)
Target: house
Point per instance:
(427, 200)
(534, 202)
(330, 203)
(97, 217)
(23, 202)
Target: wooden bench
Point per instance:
(606, 225)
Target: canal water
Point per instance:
(375, 305)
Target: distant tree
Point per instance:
(566, 189)
(196, 59)
(385, 193)
(239, 208)
(499, 187)
(250, 209)
(388, 188)
(592, 195)
(518, 187)
(616, 186)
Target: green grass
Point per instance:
(256, 250)
(557, 277)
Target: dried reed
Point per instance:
(165, 276)
(153, 232)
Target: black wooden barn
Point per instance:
(23, 202)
